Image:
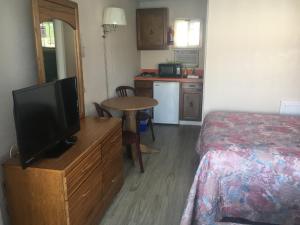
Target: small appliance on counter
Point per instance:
(192, 76)
(170, 70)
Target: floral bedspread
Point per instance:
(249, 168)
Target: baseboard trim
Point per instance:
(193, 123)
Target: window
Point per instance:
(187, 33)
(47, 33)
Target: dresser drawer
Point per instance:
(112, 173)
(192, 86)
(79, 172)
(109, 195)
(112, 144)
(82, 203)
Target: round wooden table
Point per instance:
(130, 105)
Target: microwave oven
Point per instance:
(170, 70)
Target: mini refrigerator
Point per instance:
(167, 95)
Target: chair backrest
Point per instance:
(101, 111)
(123, 91)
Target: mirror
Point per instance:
(57, 40)
(58, 44)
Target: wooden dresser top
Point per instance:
(92, 132)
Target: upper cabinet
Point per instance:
(152, 28)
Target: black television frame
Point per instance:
(56, 148)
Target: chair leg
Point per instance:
(139, 154)
(128, 151)
(151, 127)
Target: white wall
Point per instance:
(178, 9)
(253, 54)
(18, 68)
(123, 57)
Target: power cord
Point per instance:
(12, 148)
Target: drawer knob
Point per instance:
(113, 180)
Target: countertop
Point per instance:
(182, 80)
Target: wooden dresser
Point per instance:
(74, 189)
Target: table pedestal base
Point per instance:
(148, 150)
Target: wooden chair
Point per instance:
(129, 137)
(101, 111)
(123, 91)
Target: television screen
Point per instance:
(45, 115)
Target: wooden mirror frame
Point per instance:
(67, 11)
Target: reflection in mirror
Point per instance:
(58, 43)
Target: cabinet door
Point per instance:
(152, 28)
(144, 88)
(192, 106)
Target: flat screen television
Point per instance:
(46, 117)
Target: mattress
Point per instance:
(249, 168)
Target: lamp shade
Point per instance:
(114, 16)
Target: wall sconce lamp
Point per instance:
(112, 18)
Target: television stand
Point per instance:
(61, 147)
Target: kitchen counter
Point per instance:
(181, 80)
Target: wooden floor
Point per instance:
(158, 196)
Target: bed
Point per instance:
(249, 168)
